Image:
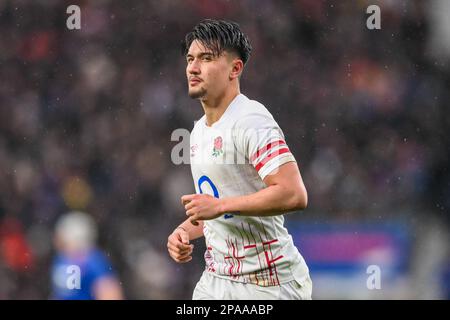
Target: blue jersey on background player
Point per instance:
(76, 278)
(81, 271)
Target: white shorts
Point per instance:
(210, 287)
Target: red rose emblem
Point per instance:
(218, 143)
(217, 147)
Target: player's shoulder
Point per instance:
(248, 107)
(96, 256)
(251, 113)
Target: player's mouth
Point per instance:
(194, 81)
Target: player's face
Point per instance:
(207, 75)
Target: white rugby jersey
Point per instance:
(231, 158)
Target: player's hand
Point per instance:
(178, 245)
(201, 207)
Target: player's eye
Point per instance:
(207, 58)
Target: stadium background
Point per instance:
(86, 118)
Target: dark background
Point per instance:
(86, 118)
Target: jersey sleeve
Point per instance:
(261, 141)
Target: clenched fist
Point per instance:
(178, 245)
(201, 207)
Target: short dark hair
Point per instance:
(218, 36)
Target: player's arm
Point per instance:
(106, 284)
(285, 192)
(194, 231)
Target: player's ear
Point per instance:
(236, 68)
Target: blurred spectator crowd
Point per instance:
(86, 118)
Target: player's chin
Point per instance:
(196, 93)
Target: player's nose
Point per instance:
(193, 67)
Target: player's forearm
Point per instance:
(272, 200)
(195, 232)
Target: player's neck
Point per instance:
(215, 107)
